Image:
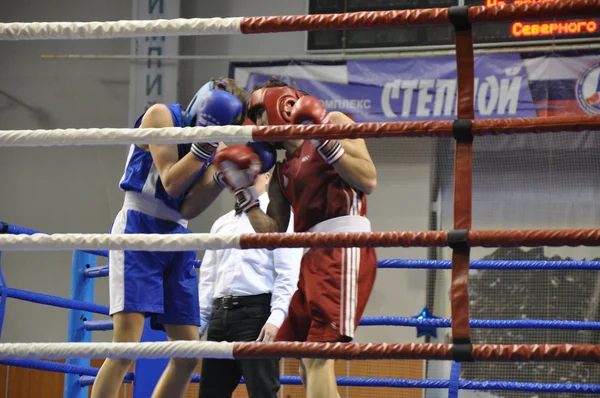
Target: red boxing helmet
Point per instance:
(273, 100)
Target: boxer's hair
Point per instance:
(275, 82)
(233, 87)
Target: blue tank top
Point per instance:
(141, 174)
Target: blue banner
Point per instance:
(424, 88)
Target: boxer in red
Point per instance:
(326, 184)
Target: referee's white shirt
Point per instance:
(236, 272)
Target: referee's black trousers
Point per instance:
(239, 319)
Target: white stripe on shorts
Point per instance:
(349, 282)
(116, 267)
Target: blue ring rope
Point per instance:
(56, 367)
(97, 272)
(392, 263)
(437, 323)
(3, 288)
(438, 384)
(481, 323)
(104, 324)
(86, 381)
(492, 264)
(55, 301)
(529, 387)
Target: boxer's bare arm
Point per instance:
(356, 166)
(176, 175)
(277, 217)
(202, 194)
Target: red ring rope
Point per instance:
(431, 16)
(480, 352)
(427, 128)
(492, 238)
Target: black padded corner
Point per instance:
(3, 227)
(462, 130)
(462, 350)
(459, 17)
(458, 239)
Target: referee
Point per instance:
(244, 296)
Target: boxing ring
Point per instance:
(78, 350)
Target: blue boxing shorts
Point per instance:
(163, 285)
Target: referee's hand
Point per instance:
(268, 333)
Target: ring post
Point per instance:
(82, 288)
(148, 371)
(463, 183)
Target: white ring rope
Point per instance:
(119, 29)
(167, 349)
(149, 242)
(114, 136)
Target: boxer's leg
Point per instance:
(128, 327)
(136, 289)
(178, 373)
(181, 319)
(358, 268)
(327, 273)
(320, 378)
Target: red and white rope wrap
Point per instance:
(289, 23)
(119, 29)
(229, 134)
(224, 350)
(106, 136)
(182, 242)
(152, 242)
(178, 349)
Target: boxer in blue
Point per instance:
(165, 185)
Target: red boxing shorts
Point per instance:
(333, 290)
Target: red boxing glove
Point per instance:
(309, 110)
(238, 167)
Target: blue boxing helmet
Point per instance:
(192, 108)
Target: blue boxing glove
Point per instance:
(217, 108)
(266, 153)
(212, 108)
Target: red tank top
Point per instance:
(315, 190)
